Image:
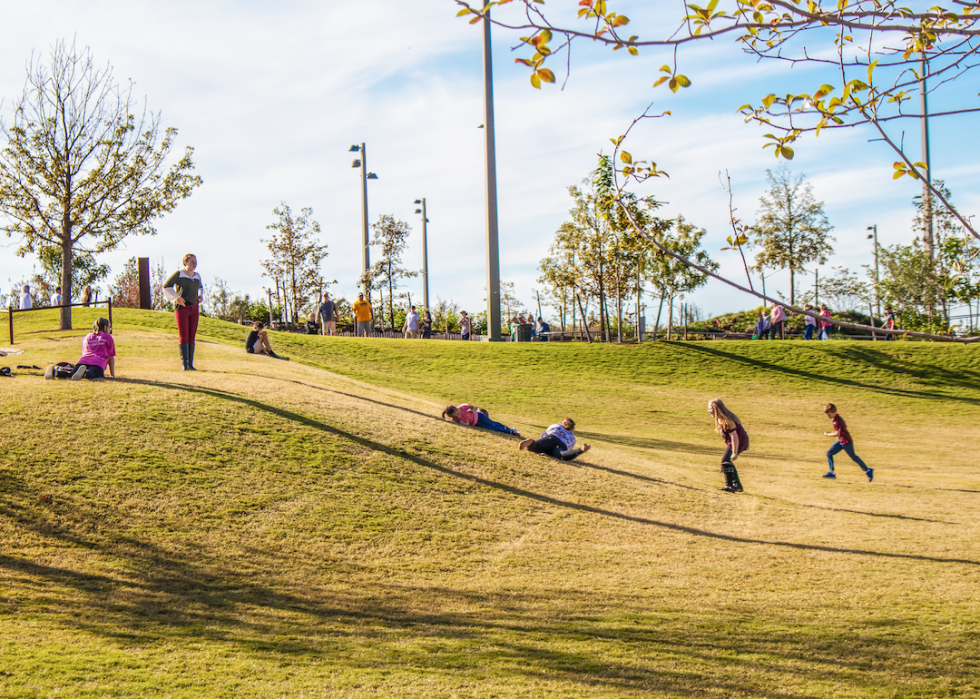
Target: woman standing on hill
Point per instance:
(185, 290)
(736, 439)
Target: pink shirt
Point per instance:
(777, 314)
(96, 350)
(467, 415)
(825, 314)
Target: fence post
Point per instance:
(110, 315)
(10, 319)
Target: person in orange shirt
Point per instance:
(363, 316)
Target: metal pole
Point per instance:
(877, 299)
(816, 287)
(366, 257)
(926, 194)
(425, 257)
(10, 320)
(493, 247)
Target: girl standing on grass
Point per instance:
(471, 416)
(736, 439)
(810, 322)
(844, 443)
(824, 325)
(185, 290)
(556, 441)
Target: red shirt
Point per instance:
(743, 437)
(843, 436)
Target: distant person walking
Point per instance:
(889, 322)
(844, 443)
(185, 290)
(427, 325)
(777, 316)
(736, 441)
(411, 327)
(556, 441)
(824, 325)
(25, 302)
(56, 299)
(327, 313)
(363, 316)
(472, 416)
(464, 325)
(810, 322)
(762, 326)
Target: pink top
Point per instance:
(778, 314)
(467, 414)
(826, 314)
(96, 350)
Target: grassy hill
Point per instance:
(312, 529)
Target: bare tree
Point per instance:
(79, 170)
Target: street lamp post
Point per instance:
(875, 237)
(493, 247)
(425, 253)
(365, 176)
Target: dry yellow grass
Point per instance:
(264, 528)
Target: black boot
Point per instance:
(190, 357)
(732, 482)
(183, 356)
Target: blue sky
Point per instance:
(271, 96)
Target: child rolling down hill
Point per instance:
(735, 436)
(473, 417)
(557, 441)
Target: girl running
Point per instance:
(736, 439)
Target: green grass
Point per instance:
(310, 528)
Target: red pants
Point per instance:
(187, 323)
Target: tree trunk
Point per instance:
(670, 318)
(792, 286)
(656, 326)
(66, 270)
(619, 312)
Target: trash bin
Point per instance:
(524, 333)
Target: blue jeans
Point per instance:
(808, 335)
(485, 422)
(847, 449)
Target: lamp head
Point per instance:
(354, 149)
(418, 211)
(417, 201)
(870, 236)
(372, 176)
(356, 163)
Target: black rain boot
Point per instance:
(732, 484)
(190, 357)
(183, 356)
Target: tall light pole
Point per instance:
(875, 237)
(425, 253)
(493, 247)
(365, 176)
(926, 193)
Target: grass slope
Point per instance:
(310, 528)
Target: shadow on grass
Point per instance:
(425, 463)
(868, 356)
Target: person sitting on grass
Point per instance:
(556, 441)
(98, 354)
(844, 443)
(471, 416)
(258, 341)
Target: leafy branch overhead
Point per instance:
(881, 55)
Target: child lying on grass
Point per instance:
(557, 441)
(473, 417)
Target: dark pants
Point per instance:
(485, 422)
(465, 336)
(847, 449)
(187, 317)
(552, 446)
(777, 330)
(92, 371)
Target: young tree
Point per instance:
(669, 276)
(391, 237)
(125, 290)
(296, 256)
(845, 291)
(792, 230)
(79, 170)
